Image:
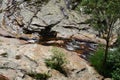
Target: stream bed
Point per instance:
(84, 49)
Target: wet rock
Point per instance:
(72, 45)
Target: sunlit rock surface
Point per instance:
(19, 52)
(20, 58)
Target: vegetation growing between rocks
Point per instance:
(39, 76)
(112, 68)
(97, 59)
(104, 17)
(114, 63)
(57, 61)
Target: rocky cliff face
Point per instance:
(18, 17)
(24, 20)
(18, 59)
(18, 14)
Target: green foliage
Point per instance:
(114, 58)
(116, 74)
(39, 76)
(112, 68)
(57, 61)
(114, 63)
(97, 59)
(104, 13)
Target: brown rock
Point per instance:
(3, 77)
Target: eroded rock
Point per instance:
(32, 59)
(20, 55)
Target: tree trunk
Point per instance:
(107, 44)
(106, 52)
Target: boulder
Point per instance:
(27, 58)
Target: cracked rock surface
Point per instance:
(17, 59)
(20, 54)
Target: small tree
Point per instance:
(104, 15)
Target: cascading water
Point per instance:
(83, 48)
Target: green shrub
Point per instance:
(116, 74)
(112, 68)
(97, 59)
(114, 58)
(57, 61)
(114, 63)
(39, 76)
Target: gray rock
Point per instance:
(24, 57)
(4, 4)
(27, 15)
(1, 17)
(50, 14)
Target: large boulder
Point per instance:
(18, 15)
(21, 59)
(24, 15)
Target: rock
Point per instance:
(19, 52)
(4, 4)
(31, 58)
(107, 79)
(1, 17)
(50, 13)
(25, 16)
(3, 77)
(79, 70)
(20, 0)
(57, 75)
(89, 38)
(3, 53)
(10, 74)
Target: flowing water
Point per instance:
(83, 48)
